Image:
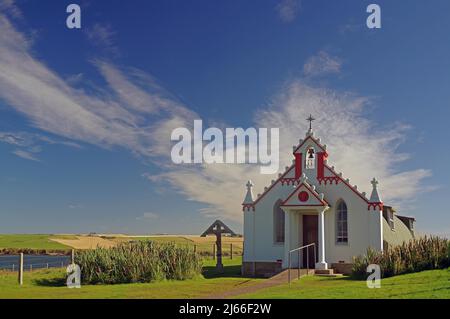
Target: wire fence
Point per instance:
(11, 265)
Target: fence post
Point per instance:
(13, 267)
(21, 269)
(195, 249)
(214, 251)
(31, 267)
(231, 251)
(47, 265)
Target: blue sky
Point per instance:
(85, 115)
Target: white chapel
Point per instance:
(312, 217)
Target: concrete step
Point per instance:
(324, 271)
(330, 275)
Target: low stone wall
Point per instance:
(342, 268)
(261, 268)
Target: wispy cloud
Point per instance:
(288, 10)
(147, 216)
(111, 116)
(10, 7)
(25, 155)
(102, 36)
(75, 206)
(321, 64)
(30, 144)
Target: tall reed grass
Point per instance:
(141, 261)
(425, 253)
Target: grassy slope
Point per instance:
(35, 241)
(48, 284)
(426, 284)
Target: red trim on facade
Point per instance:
(324, 202)
(321, 157)
(315, 205)
(298, 165)
(369, 204)
(325, 179)
(289, 181)
(375, 205)
(329, 179)
(349, 186)
(314, 140)
(271, 186)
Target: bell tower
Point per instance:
(310, 156)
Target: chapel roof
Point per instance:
(374, 201)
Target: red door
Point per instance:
(310, 235)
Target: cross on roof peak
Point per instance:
(310, 119)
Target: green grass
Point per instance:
(35, 241)
(426, 284)
(50, 284)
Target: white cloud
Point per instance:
(288, 10)
(10, 7)
(147, 216)
(135, 113)
(25, 155)
(75, 206)
(358, 147)
(30, 143)
(108, 117)
(102, 36)
(322, 64)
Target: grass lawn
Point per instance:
(426, 284)
(51, 284)
(35, 241)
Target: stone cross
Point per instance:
(218, 228)
(374, 183)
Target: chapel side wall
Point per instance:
(265, 247)
(363, 229)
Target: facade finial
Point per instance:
(303, 178)
(249, 196)
(375, 197)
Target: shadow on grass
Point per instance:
(210, 272)
(51, 282)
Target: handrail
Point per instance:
(307, 259)
(300, 248)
